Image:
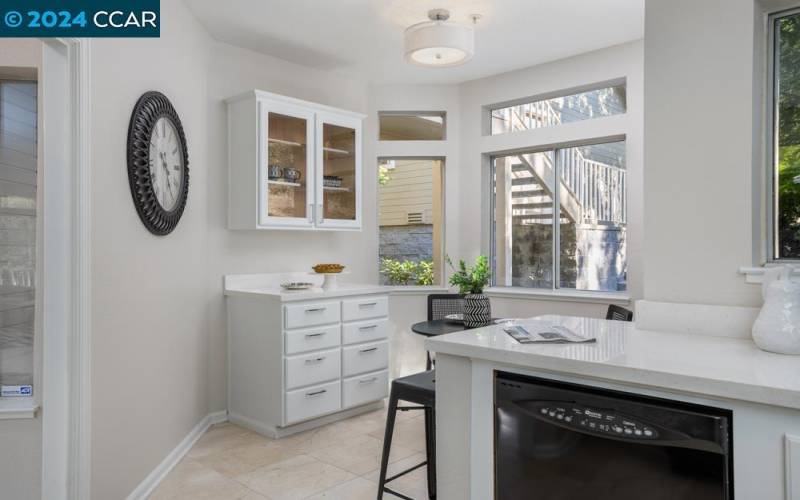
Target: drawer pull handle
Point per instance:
(368, 304)
(365, 351)
(369, 327)
(368, 380)
(315, 360)
(316, 309)
(316, 393)
(312, 335)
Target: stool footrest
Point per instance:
(399, 495)
(412, 469)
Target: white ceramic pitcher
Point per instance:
(777, 328)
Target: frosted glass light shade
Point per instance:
(438, 43)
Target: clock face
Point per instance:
(166, 163)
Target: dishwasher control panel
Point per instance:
(607, 422)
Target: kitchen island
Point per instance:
(761, 390)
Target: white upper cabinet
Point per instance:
(292, 164)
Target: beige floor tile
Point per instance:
(242, 459)
(359, 455)
(408, 433)
(191, 481)
(355, 489)
(295, 478)
(223, 437)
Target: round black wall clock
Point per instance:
(158, 163)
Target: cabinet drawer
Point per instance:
(374, 306)
(365, 358)
(318, 313)
(313, 339)
(313, 368)
(365, 388)
(365, 331)
(313, 401)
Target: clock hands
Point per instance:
(163, 156)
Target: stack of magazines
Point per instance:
(542, 332)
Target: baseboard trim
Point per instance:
(280, 432)
(146, 487)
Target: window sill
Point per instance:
(18, 408)
(558, 295)
(416, 289)
(755, 275)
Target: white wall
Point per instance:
(149, 299)
(702, 151)
(21, 440)
(232, 71)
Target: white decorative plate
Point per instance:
(295, 285)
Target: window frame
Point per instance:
(771, 138)
(437, 114)
(556, 221)
(439, 276)
(561, 93)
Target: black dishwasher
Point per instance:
(562, 441)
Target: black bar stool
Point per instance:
(418, 389)
(619, 313)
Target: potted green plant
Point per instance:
(470, 283)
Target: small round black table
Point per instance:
(435, 328)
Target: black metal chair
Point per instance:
(619, 313)
(439, 306)
(418, 389)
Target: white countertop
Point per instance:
(268, 285)
(696, 364)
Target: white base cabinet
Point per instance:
(292, 362)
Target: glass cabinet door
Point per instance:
(339, 171)
(287, 174)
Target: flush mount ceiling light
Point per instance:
(439, 43)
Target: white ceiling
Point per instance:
(363, 39)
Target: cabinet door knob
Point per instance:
(316, 393)
(368, 327)
(365, 351)
(311, 335)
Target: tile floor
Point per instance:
(339, 461)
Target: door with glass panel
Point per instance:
(338, 171)
(286, 166)
(18, 228)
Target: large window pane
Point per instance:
(605, 101)
(18, 181)
(592, 195)
(395, 126)
(787, 168)
(523, 220)
(586, 187)
(410, 221)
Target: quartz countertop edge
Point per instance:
(713, 367)
(343, 290)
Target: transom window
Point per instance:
(785, 136)
(607, 100)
